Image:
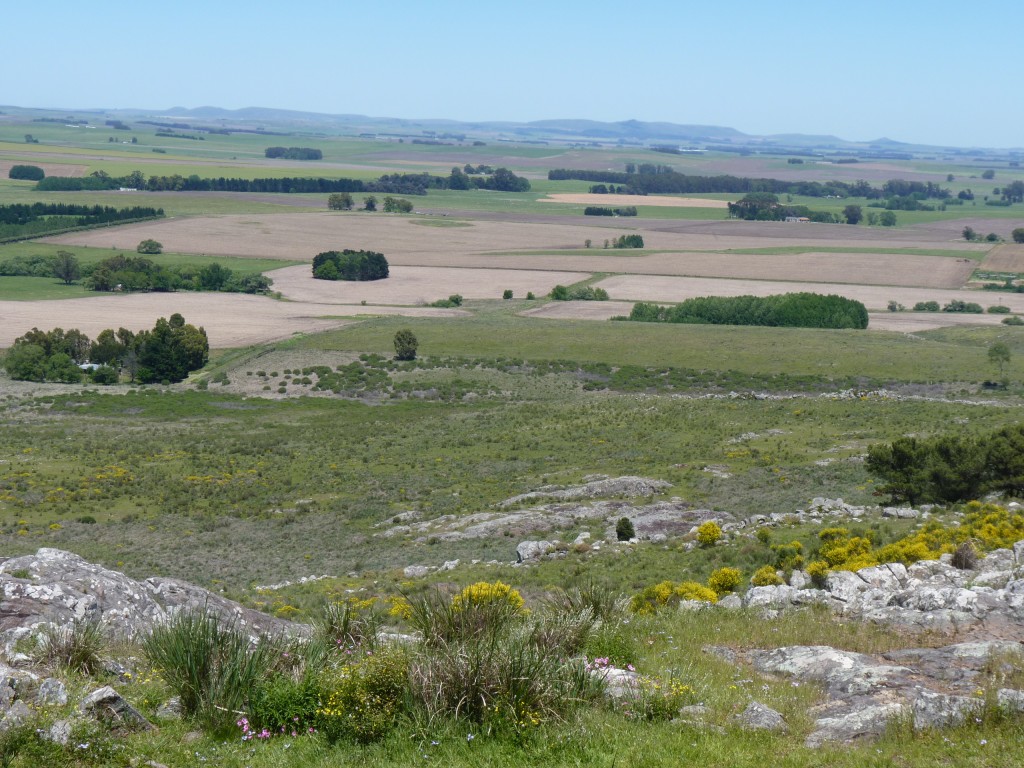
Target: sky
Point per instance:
(940, 72)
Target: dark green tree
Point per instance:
(340, 201)
(370, 203)
(406, 345)
(853, 214)
(624, 530)
(66, 267)
(150, 247)
(999, 355)
(1018, 235)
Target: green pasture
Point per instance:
(32, 288)
(872, 355)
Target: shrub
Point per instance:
(212, 667)
(405, 344)
(818, 571)
(506, 294)
(926, 306)
(1015, 320)
(765, 576)
(348, 623)
(709, 533)
(485, 594)
(656, 699)
(615, 642)
(74, 647)
(105, 374)
(603, 602)
(999, 309)
(724, 580)
(560, 293)
(624, 530)
(966, 557)
(656, 596)
(150, 247)
(362, 700)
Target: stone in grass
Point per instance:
(108, 705)
(52, 692)
(759, 717)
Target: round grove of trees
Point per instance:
(350, 265)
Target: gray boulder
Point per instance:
(760, 717)
(533, 550)
(108, 705)
(52, 692)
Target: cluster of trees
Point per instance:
(343, 201)
(765, 206)
(650, 179)
(169, 352)
(628, 241)
(598, 210)
(26, 173)
(350, 265)
(501, 179)
(21, 220)
(796, 310)
(601, 189)
(950, 468)
(579, 293)
(135, 273)
(294, 153)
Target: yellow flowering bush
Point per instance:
(724, 580)
(362, 699)
(765, 576)
(655, 596)
(483, 594)
(709, 533)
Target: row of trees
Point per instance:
(795, 310)
(293, 153)
(350, 265)
(343, 201)
(167, 353)
(501, 179)
(950, 468)
(598, 210)
(134, 273)
(665, 181)
(20, 220)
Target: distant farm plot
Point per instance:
(419, 285)
(635, 200)
(527, 244)
(230, 320)
(50, 169)
(1005, 258)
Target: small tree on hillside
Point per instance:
(999, 355)
(405, 344)
(624, 530)
(370, 203)
(150, 246)
(853, 214)
(1018, 235)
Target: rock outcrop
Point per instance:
(57, 587)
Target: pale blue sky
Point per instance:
(938, 72)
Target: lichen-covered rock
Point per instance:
(108, 705)
(52, 692)
(760, 717)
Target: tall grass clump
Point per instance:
(74, 647)
(484, 658)
(212, 666)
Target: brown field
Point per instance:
(1005, 258)
(419, 285)
(230, 320)
(51, 169)
(638, 200)
(302, 235)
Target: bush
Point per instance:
(361, 701)
(709, 533)
(406, 344)
(506, 294)
(724, 580)
(212, 667)
(1013, 320)
(615, 642)
(105, 374)
(150, 247)
(999, 309)
(657, 596)
(818, 571)
(765, 576)
(624, 530)
(926, 306)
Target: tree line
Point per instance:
(951, 467)
(20, 220)
(794, 310)
(168, 352)
(294, 153)
(667, 181)
(502, 180)
(350, 265)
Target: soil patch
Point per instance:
(419, 285)
(1005, 258)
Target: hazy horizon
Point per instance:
(915, 72)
